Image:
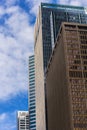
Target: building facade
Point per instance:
(47, 25)
(23, 120)
(32, 99)
(66, 79)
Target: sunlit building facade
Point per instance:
(66, 79)
(23, 120)
(32, 99)
(49, 19)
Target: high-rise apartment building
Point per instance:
(32, 99)
(23, 120)
(66, 79)
(47, 25)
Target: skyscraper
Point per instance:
(32, 99)
(66, 79)
(47, 25)
(23, 120)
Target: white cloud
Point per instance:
(73, 2)
(16, 44)
(35, 5)
(9, 3)
(8, 121)
(2, 117)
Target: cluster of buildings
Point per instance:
(58, 70)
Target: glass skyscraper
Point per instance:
(49, 19)
(32, 106)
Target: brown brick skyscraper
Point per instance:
(66, 79)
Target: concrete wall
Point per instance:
(58, 101)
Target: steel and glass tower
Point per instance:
(32, 105)
(47, 25)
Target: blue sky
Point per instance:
(17, 18)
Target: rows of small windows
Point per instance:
(32, 97)
(32, 107)
(80, 118)
(23, 129)
(79, 112)
(31, 81)
(75, 73)
(85, 62)
(85, 74)
(73, 51)
(32, 100)
(83, 46)
(72, 44)
(83, 36)
(32, 70)
(30, 84)
(21, 125)
(32, 123)
(78, 67)
(83, 32)
(32, 111)
(84, 57)
(32, 104)
(32, 94)
(78, 99)
(71, 38)
(24, 122)
(70, 33)
(83, 51)
(79, 105)
(81, 28)
(83, 41)
(31, 65)
(31, 62)
(72, 41)
(73, 18)
(76, 81)
(31, 75)
(32, 115)
(73, 57)
(73, 67)
(32, 90)
(32, 78)
(32, 126)
(32, 119)
(78, 93)
(31, 58)
(26, 126)
(76, 62)
(77, 87)
(80, 125)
